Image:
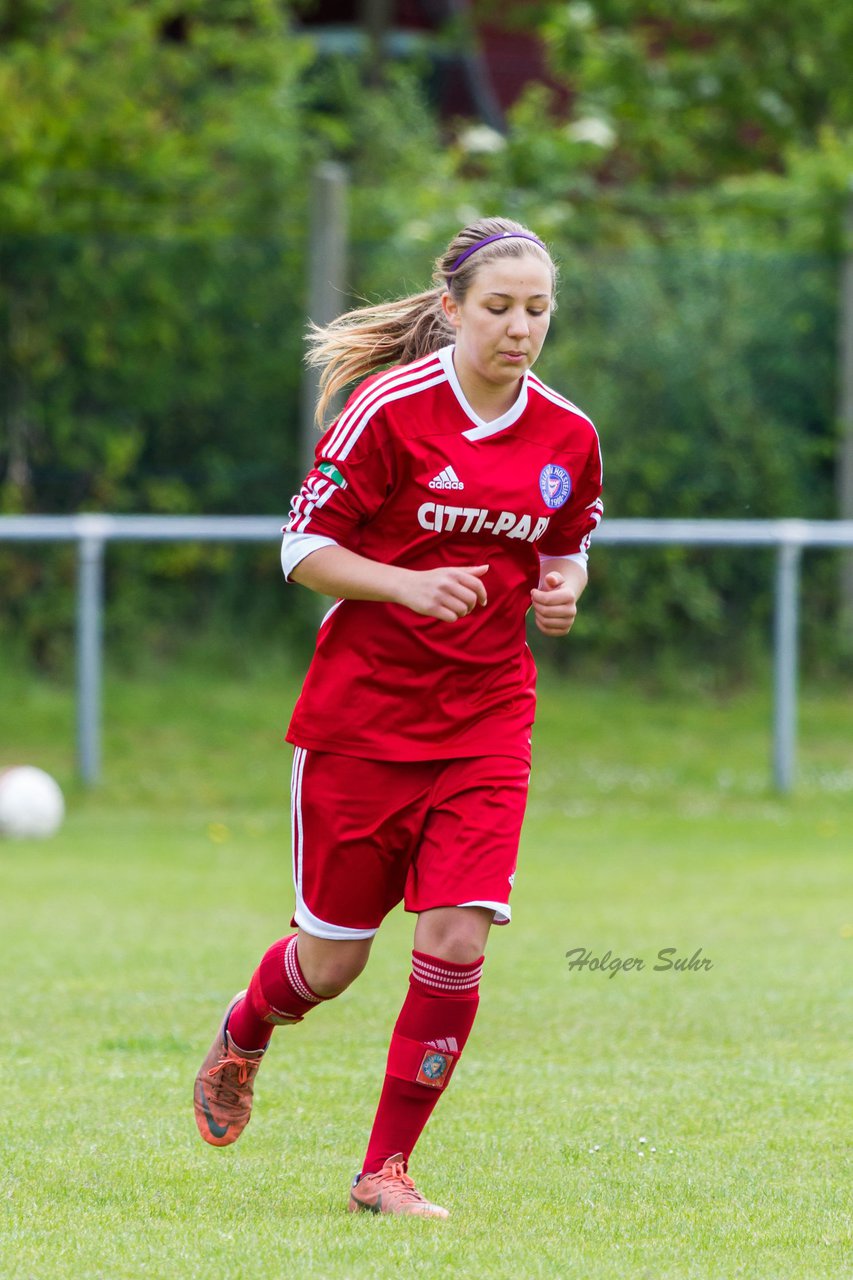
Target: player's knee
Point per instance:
(332, 983)
(330, 972)
(457, 950)
(457, 935)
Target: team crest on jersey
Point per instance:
(555, 485)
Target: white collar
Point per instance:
(481, 429)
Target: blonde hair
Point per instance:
(397, 332)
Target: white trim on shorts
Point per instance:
(304, 917)
(502, 910)
(320, 929)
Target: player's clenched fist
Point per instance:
(555, 605)
(447, 593)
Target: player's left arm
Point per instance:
(555, 600)
(563, 550)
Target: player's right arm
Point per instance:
(353, 474)
(446, 593)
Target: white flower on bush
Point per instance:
(418, 230)
(580, 14)
(592, 129)
(480, 139)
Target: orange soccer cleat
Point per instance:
(224, 1085)
(391, 1190)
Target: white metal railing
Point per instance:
(92, 532)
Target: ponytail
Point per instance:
(371, 337)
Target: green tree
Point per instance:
(152, 228)
(697, 90)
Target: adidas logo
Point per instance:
(446, 479)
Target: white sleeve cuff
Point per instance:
(296, 546)
(577, 557)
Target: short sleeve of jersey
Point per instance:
(350, 480)
(573, 524)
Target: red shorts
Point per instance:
(368, 834)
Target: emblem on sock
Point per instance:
(420, 1061)
(433, 1069)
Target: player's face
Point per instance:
(502, 322)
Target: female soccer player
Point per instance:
(454, 493)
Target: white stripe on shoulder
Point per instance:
(414, 377)
(548, 393)
(554, 396)
(392, 376)
(345, 448)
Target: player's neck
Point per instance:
(488, 400)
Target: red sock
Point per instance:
(429, 1036)
(277, 996)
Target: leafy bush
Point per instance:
(153, 235)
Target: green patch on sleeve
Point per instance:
(329, 469)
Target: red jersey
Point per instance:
(410, 475)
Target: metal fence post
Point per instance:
(90, 594)
(327, 296)
(845, 422)
(785, 661)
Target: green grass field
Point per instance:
(682, 1124)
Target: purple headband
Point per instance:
(502, 235)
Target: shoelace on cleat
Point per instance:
(243, 1066)
(396, 1173)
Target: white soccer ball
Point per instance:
(31, 802)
